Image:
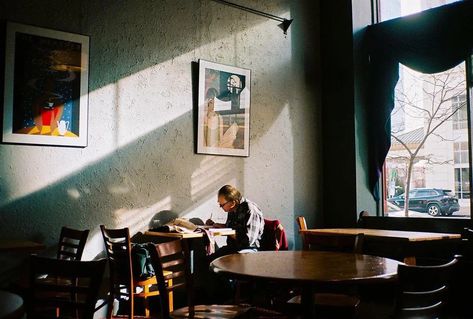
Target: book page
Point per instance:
(184, 223)
(181, 229)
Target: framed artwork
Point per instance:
(46, 87)
(223, 110)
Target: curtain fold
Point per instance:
(429, 42)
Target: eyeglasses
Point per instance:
(221, 205)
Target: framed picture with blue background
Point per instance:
(46, 86)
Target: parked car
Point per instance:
(433, 201)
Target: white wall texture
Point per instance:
(140, 156)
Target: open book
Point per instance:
(173, 229)
(177, 225)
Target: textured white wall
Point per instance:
(140, 156)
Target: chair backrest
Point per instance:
(73, 291)
(423, 290)
(170, 262)
(301, 223)
(330, 242)
(361, 218)
(118, 247)
(459, 302)
(352, 243)
(274, 236)
(71, 243)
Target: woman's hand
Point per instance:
(209, 222)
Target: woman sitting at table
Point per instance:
(244, 216)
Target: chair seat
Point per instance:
(211, 311)
(146, 282)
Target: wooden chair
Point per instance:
(74, 301)
(302, 226)
(327, 304)
(71, 246)
(173, 257)
(118, 248)
(71, 243)
(423, 290)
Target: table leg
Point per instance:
(307, 301)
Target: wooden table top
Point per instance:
(223, 232)
(399, 234)
(20, 245)
(307, 266)
(11, 305)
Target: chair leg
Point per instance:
(171, 297)
(145, 301)
(237, 297)
(132, 302)
(111, 299)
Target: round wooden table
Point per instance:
(11, 305)
(308, 268)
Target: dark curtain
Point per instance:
(431, 41)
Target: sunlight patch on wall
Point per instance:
(213, 170)
(118, 189)
(208, 208)
(153, 97)
(73, 193)
(94, 246)
(138, 219)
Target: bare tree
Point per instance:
(433, 105)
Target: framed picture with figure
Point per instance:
(224, 110)
(46, 86)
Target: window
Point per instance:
(462, 183)
(429, 141)
(423, 193)
(390, 9)
(460, 153)
(460, 118)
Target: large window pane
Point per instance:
(429, 153)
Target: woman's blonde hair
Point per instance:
(230, 193)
